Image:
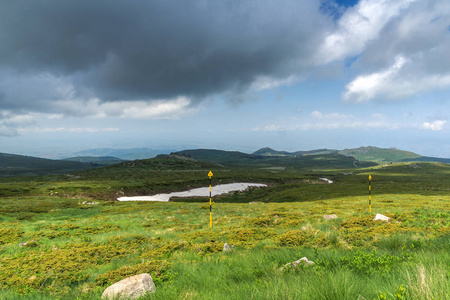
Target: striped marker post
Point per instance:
(370, 196)
(210, 174)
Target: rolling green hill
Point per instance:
(239, 159)
(222, 157)
(428, 159)
(19, 165)
(376, 154)
(270, 152)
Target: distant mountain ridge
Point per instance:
(369, 153)
(19, 165)
(101, 161)
(125, 154)
(270, 152)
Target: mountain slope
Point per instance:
(19, 165)
(239, 159)
(270, 152)
(376, 154)
(220, 156)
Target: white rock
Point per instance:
(381, 218)
(227, 247)
(130, 288)
(294, 264)
(327, 180)
(329, 217)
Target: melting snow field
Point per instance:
(327, 180)
(200, 192)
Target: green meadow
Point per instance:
(80, 240)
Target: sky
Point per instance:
(232, 74)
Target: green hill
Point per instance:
(221, 157)
(376, 154)
(19, 165)
(270, 152)
(428, 159)
(239, 159)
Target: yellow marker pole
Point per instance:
(210, 174)
(370, 198)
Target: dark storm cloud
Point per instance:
(136, 49)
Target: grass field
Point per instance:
(79, 241)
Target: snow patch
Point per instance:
(199, 192)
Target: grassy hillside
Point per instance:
(428, 159)
(18, 165)
(379, 154)
(83, 243)
(270, 152)
(239, 159)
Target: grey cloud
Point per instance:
(143, 50)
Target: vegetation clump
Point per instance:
(9, 235)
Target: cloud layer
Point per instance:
(159, 59)
(143, 50)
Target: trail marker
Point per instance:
(210, 174)
(370, 198)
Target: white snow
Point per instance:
(327, 180)
(200, 192)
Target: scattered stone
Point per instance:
(296, 263)
(255, 202)
(31, 243)
(130, 288)
(330, 217)
(89, 202)
(381, 218)
(227, 247)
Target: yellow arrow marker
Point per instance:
(370, 177)
(210, 174)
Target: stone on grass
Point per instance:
(381, 217)
(330, 217)
(31, 243)
(302, 261)
(130, 288)
(227, 247)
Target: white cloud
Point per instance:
(265, 82)
(367, 87)
(271, 127)
(435, 126)
(67, 129)
(357, 27)
(333, 121)
(9, 122)
(396, 82)
(159, 109)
